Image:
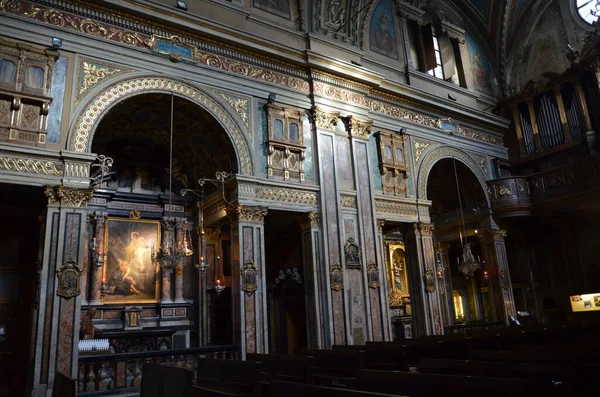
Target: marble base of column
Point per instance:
(165, 296)
(179, 284)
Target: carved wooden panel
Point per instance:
(286, 143)
(393, 163)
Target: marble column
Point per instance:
(384, 288)
(180, 224)
(445, 283)
(168, 224)
(315, 281)
(420, 257)
(501, 297)
(250, 306)
(99, 220)
(57, 333)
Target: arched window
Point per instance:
(589, 10)
(8, 70)
(34, 78)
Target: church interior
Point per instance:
(294, 197)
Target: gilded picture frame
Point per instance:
(130, 275)
(373, 275)
(249, 278)
(69, 280)
(336, 275)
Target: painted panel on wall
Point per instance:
(482, 71)
(58, 94)
(277, 7)
(382, 33)
(308, 154)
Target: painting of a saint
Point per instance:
(482, 72)
(383, 36)
(277, 7)
(129, 271)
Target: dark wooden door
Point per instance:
(19, 241)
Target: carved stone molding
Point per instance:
(424, 229)
(33, 166)
(325, 120)
(67, 196)
(80, 137)
(396, 208)
(91, 72)
(312, 219)
(240, 104)
(251, 214)
(292, 196)
(98, 218)
(359, 128)
(442, 152)
(169, 223)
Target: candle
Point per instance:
(103, 281)
(218, 282)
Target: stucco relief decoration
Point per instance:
(325, 120)
(249, 278)
(331, 91)
(33, 166)
(352, 254)
(359, 128)
(68, 197)
(373, 275)
(333, 18)
(336, 276)
(286, 195)
(348, 201)
(420, 147)
(87, 120)
(90, 73)
(69, 280)
(240, 105)
(396, 208)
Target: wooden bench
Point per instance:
(226, 378)
(290, 389)
(333, 367)
(160, 380)
(424, 385)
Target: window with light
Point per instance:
(588, 10)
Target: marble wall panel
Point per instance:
(343, 163)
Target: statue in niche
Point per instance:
(336, 13)
(398, 267)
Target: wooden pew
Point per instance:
(281, 367)
(226, 378)
(64, 386)
(160, 380)
(332, 367)
(290, 389)
(425, 385)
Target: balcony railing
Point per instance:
(516, 196)
(109, 374)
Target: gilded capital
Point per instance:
(424, 229)
(180, 223)
(359, 128)
(493, 235)
(325, 120)
(312, 219)
(380, 225)
(250, 214)
(169, 223)
(68, 196)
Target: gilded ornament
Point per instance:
(249, 278)
(69, 280)
(349, 201)
(251, 214)
(504, 190)
(420, 147)
(359, 128)
(380, 225)
(93, 73)
(325, 120)
(286, 195)
(135, 214)
(80, 137)
(398, 209)
(240, 105)
(312, 219)
(31, 166)
(429, 280)
(212, 234)
(373, 275)
(72, 197)
(336, 276)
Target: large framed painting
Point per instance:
(129, 273)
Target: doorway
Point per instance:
(286, 304)
(20, 207)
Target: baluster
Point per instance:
(91, 379)
(102, 378)
(130, 376)
(81, 378)
(137, 373)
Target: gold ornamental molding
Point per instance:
(433, 156)
(348, 201)
(420, 147)
(312, 219)
(359, 128)
(68, 196)
(396, 208)
(80, 136)
(277, 194)
(91, 72)
(240, 104)
(33, 166)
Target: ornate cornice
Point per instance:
(325, 120)
(67, 196)
(250, 214)
(277, 194)
(359, 128)
(312, 219)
